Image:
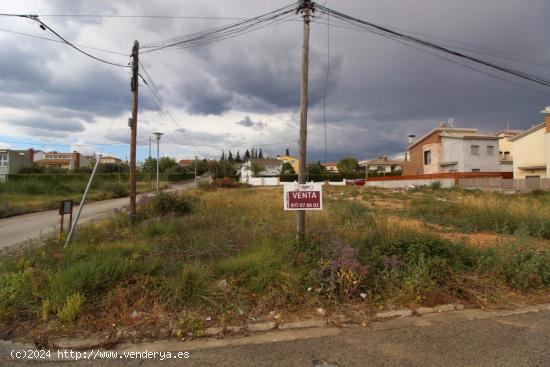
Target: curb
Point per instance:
(266, 326)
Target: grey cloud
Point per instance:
(378, 91)
(48, 127)
(247, 122)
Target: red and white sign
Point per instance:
(303, 197)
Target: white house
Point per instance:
(382, 165)
(451, 149)
(532, 150)
(271, 168)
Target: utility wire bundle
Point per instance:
(224, 32)
(424, 45)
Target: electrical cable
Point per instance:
(44, 26)
(221, 33)
(391, 34)
(58, 41)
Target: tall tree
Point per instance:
(247, 155)
(223, 156)
(230, 157)
(287, 152)
(348, 165)
(261, 155)
(238, 158)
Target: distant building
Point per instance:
(532, 150)
(382, 165)
(186, 162)
(68, 161)
(271, 168)
(331, 167)
(505, 152)
(294, 162)
(110, 160)
(11, 161)
(451, 149)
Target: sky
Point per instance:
(245, 91)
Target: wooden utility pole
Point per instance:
(305, 7)
(133, 134)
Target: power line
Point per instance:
(221, 33)
(58, 41)
(44, 26)
(391, 34)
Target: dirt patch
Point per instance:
(387, 204)
(480, 239)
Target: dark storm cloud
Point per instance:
(378, 91)
(45, 126)
(247, 122)
(264, 81)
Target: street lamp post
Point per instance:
(196, 158)
(158, 135)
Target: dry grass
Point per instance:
(234, 258)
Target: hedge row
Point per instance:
(80, 177)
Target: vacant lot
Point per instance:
(219, 256)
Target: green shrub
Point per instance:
(71, 309)
(189, 285)
(258, 268)
(118, 189)
(167, 203)
(94, 271)
(524, 267)
(435, 185)
(15, 293)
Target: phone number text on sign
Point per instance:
(303, 197)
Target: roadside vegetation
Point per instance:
(34, 195)
(226, 255)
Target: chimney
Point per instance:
(30, 154)
(412, 139)
(76, 160)
(546, 113)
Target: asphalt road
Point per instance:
(463, 338)
(16, 230)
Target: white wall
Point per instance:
(453, 151)
(530, 150)
(483, 161)
(263, 181)
(395, 184)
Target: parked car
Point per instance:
(356, 182)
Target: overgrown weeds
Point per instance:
(229, 254)
(488, 212)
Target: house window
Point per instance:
(490, 150)
(428, 157)
(474, 149)
(507, 156)
(3, 160)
